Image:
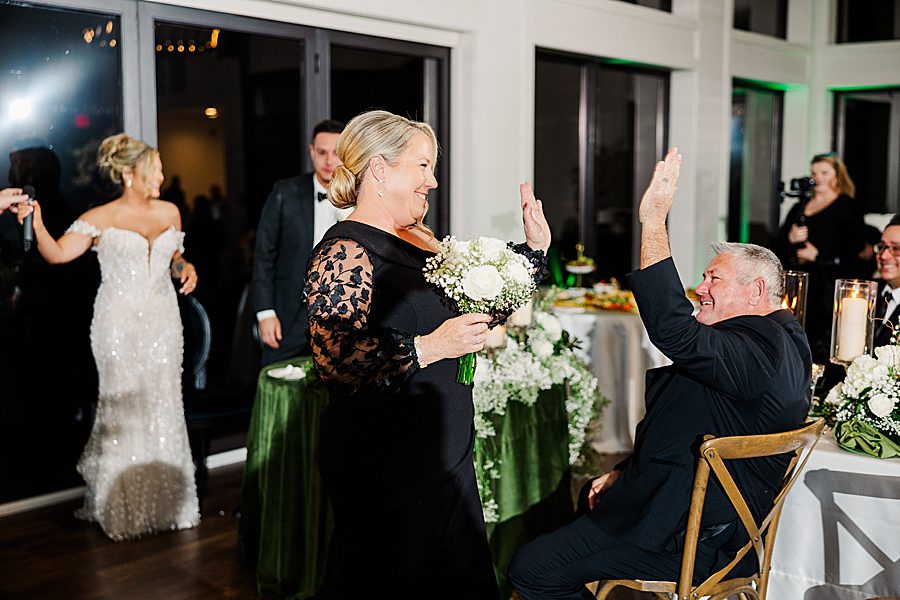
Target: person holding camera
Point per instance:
(823, 235)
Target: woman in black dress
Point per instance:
(823, 236)
(395, 447)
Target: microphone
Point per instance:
(27, 226)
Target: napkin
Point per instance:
(288, 373)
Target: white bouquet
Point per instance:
(481, 276)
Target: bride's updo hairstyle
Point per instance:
(120, 151)
(370, 134)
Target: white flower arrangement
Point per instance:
(865, 407)
(482, 275)
(535, 358)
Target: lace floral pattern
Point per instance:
(349, 354)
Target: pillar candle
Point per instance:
(496, 337)
(522, 317)
(852, 329)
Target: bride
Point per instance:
(137, 462)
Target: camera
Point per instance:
(799, 187)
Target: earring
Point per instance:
(129, 183)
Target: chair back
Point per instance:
(197, 342)
(714, 452)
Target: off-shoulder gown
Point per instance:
(137, 462)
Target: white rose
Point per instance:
(881, 405)
(834, 395)
(517, 272)
(888, 355)
(542, 348)
(549, 324)
(491, 248)
(482, 282)
(459, 250)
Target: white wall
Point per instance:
(492, 80)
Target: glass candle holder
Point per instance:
(796, 286)
(852, 327)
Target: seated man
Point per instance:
(741, 367)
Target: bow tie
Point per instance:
(321, 196)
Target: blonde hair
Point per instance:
(845, 184)
(370, 134)
(121, 150)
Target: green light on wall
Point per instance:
(768, 85)
(863, 88)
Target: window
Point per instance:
(768, 17)
(867, 135)
(60, 95)
(230, 102)
(665, 5)
(869, 21)
(599, 128)
(754, 198)
(403, 78)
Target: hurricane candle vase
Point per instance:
(796, 286)
(852, 328)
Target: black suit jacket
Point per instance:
(745, 375)
(283, 245)
(883, 329)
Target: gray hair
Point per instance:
(755, 261)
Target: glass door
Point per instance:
(401, 77)
(232, 116)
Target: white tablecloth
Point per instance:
(616, 346)
(839, 537)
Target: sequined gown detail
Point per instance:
(137, 463)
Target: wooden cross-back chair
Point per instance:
(713, 454)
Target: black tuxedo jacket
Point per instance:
(283, 245)
(745, 375)
(883, 329)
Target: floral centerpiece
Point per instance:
(483, 275)
(864, 409)
(535, 358)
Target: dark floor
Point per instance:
(48, 554)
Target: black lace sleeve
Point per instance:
(348, 354)
(538, 260)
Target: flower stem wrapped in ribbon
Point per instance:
(483, 275)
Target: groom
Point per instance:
(294, 218)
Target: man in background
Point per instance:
(293, 220)
(887, 254)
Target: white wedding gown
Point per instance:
(137, 462)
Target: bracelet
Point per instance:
(418, 349)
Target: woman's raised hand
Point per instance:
(537, 231)
(454, 338)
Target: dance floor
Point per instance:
(48, 554)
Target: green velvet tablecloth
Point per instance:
(531, 456)
(286, 521)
